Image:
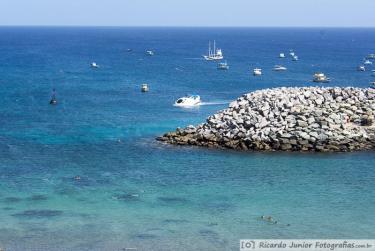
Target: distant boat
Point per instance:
(215, 54)
(144, 88)
(53, 100)
(188, 101)
(281, 55)
(129, 50)
(150, 53)
(94, 65)
(370, 56)
(367, 62)
(295, 58)
(361, 68)
(292, 54)
(321, 78)
(257, 72)
(223, 66)
(279, 68)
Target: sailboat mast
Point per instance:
(214, 47)
(209, 48)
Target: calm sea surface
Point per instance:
(134, 192)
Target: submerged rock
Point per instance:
(289, 119)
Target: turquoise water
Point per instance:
(137, 193)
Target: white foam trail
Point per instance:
(215, 103)
(193, 58)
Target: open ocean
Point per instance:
(135, 192)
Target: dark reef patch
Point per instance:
(145, 236)
(38, 197)
(44, 213)
(12, 199)
(174, 221)
(173, 199)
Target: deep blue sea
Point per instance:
(134, 192)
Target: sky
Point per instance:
(306, 13)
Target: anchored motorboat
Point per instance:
(150, 53)
(295, 58)
(279, 68)
(370, 56)
(281, 55)
(367, 62)
(223, 66)
(292, 54)
(94, 65)
(189, 100)
(144, 88)
(321, 78)
(257, 72)
(361, 68)
(53, 100)
(215, 54)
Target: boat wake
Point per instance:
(200, 58)
(215, 103)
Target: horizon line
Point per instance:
(181, 26)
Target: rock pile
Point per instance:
(289, 119)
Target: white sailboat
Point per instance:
(215, 54)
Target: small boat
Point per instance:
(53, 100)
(188, 101)
(257, 72)
(281, 55)
(361, 68)
(215, 54)
(291, 53)
(295, 58)
(279, 68)
(367, 62)
(223, 66)
(370, 56)
(94, 65)
(150, 53)
(321, 78)
(129, 50)
(144, 88)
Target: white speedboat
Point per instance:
(281, 55)
(144, 88)
(295, 58)
(367, 62)
(257, 72)
(279, 68)
(370, 56)
(150, 53)
(292, 54)
(361, 68)
(94, 65)
(321, 78)
(215, 54)
(188, 101)
(223, 66)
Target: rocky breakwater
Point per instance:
(289, 119)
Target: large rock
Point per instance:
(289, 119)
